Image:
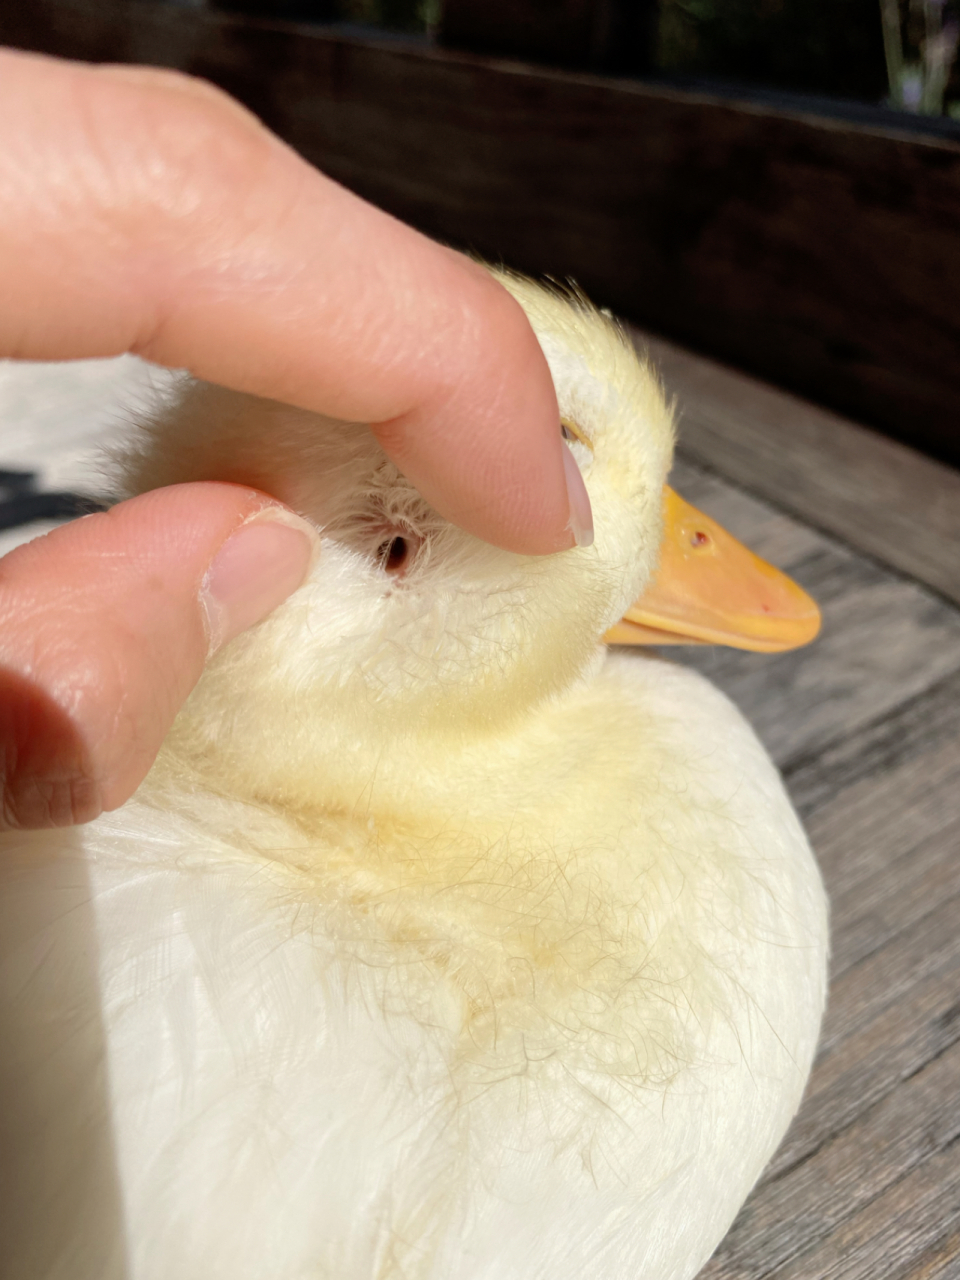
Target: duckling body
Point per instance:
(440, 942)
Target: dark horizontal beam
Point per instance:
(594, 35)
(821, 254)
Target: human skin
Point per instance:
(144, 211)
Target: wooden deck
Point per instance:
(865, 725)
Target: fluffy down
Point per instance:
(439, 944)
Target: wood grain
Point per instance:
(819, 252)
(867, 1181)
(911, 1230)
(884, 639)
(821, 1201)
(874, 493)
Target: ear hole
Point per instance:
(394, 554)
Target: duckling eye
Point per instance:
(393, 554)
(571, 432)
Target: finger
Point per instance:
(105, 625)
(142, 211)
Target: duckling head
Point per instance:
(410, 626)
(413, 636)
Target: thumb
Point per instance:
(105, 625)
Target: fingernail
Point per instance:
(258, 566)
(581, 515)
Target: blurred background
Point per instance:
(899, 52)
(773, 183)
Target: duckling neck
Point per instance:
(596, 856)
(557, 773)
(410, 770)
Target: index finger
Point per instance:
(143, 211)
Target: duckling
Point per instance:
(442, 941)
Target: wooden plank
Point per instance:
(867, 1181)
(788, 1218)
(872, 492)
(778, 537)
(883, 813)
(873, 1063)
(884, 640)
(851, 1182)
(920, 964)
(906, 878)
(887, 844)
(910, 1232)
(894, 886)
(820, 252)
(605, 35)
(843, 775)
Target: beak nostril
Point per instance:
(700, 539)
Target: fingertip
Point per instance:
(483, 444)
(257, 568)
(209, 244)
(107, 624)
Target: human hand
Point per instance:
(143, 211)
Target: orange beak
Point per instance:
(710, 589)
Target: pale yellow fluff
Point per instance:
(439, 944)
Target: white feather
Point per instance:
(439, 943)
